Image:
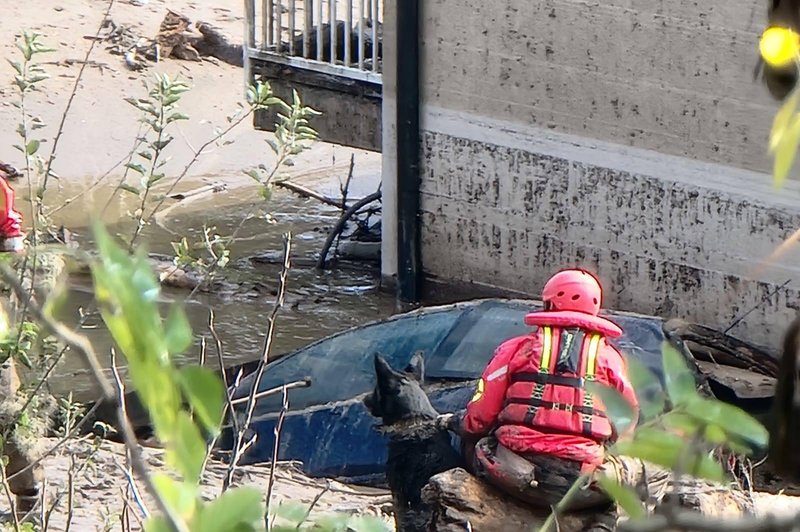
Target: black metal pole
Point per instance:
(409, 263)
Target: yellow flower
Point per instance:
(779, 46)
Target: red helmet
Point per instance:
(573, 290)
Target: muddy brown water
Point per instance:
(317, 303)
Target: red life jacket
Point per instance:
(546, 390)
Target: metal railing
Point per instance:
(342, 37)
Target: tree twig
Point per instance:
(12, 502)
(64, 115)
(563, 503)
(276, 446)
(696, 522)
(128, 469)
(307, 192)
(237, 453)
(303, 383)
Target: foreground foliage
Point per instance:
(127, 291)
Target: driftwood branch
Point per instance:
(455, 499)
(339, 227)
(308, 193)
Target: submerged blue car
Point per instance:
(328, 429)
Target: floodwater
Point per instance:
(317, 303)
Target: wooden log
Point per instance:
(213, 43)
(456, 499)
(709, 345)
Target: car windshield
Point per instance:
(467, 350)
(342, 367)
(471, 345)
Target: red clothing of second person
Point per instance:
(515, 355)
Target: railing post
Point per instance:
(332, 19)
(292, 12)
(319, 28)
(362, 17)
(267, 14)
(373, 13)
(249, 40)
(308, 24)
(348, 23)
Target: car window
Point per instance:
(466, 353)
(470, 346)
(641, 341)
(342, 367)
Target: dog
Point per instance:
(418, 448)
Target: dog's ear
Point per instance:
(388, 379)
(416, 367)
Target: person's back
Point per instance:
(546, 409)
(532, 427)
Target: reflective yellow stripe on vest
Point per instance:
(544, 367)
(589, 374)
(591, 357)
(547, 349)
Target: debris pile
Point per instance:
(175, 39)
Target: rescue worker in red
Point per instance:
(532, 428)
(23, 469)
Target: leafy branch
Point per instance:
(682, 431)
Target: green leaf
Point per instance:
(782, 119)
(649, 391)
(784, 137)
(786, 151)
(293, 513)
(206, 394)
(682, 422)
(332, 523)
(177, 331)
(157, 523)
(177, 116)
(179, 496)
(624, 496)
(187, 451)
(138, 168)
(669, 450)
(32, 147)
(129, 188)
(732, 419)
(17, 66)
(254, 175)
(681, 384)
(363, 523)
(619, 411)
(232, 511)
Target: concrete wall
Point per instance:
(351, 109)
(625, 136)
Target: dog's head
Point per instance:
(398, 396)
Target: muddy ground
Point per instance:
(101, 126)
(99, 488)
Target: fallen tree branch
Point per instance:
(695, 522)
(339, 227)
(308, 193)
